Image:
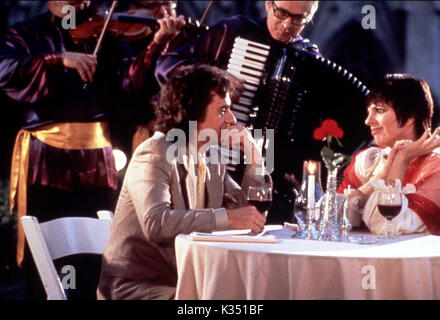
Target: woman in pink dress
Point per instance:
(400, 109)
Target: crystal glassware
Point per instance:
(260, 198)
(389, 205)
(329, 225)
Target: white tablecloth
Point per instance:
(407, 267)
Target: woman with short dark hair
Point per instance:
(400, 109)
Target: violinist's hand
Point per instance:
(85, 64)
(168, 30)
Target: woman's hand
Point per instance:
(399, 158)
(406, 150)
(382, 174)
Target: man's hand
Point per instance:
(85, 64)
(239, 137)
(168, 30)
(246, 218)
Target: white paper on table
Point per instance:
(200, 236)
(230, 232)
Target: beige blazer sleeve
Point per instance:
(154, 188)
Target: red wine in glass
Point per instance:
(260, 198)
(262, 205)
(389, 205)
(389, 211)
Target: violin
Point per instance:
(191, 27)
(132, 25)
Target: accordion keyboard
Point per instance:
(247, 62)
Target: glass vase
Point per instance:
(329, 227)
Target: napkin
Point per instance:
(200, 236)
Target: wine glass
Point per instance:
(260, 198)
(389, 205)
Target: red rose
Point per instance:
(329, 127)
(319, 134)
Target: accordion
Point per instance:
(291, 90)
(270, 99)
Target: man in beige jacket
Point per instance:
(165, 194)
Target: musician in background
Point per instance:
(284, 23)
(283, 26)
(137, 121)
(63, 163)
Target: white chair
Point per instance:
(59, 238)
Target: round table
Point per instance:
(407, 267)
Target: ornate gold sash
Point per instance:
(74, 136)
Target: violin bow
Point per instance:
(101, 36)
(104, 29)
(205, 14)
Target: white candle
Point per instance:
(311, 185)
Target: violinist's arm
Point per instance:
(203, 49)
(142, 69)
(24, 75)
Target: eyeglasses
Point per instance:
(297, 19)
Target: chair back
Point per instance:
(59, 238)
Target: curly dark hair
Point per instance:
(186, 95)
(410, 97)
